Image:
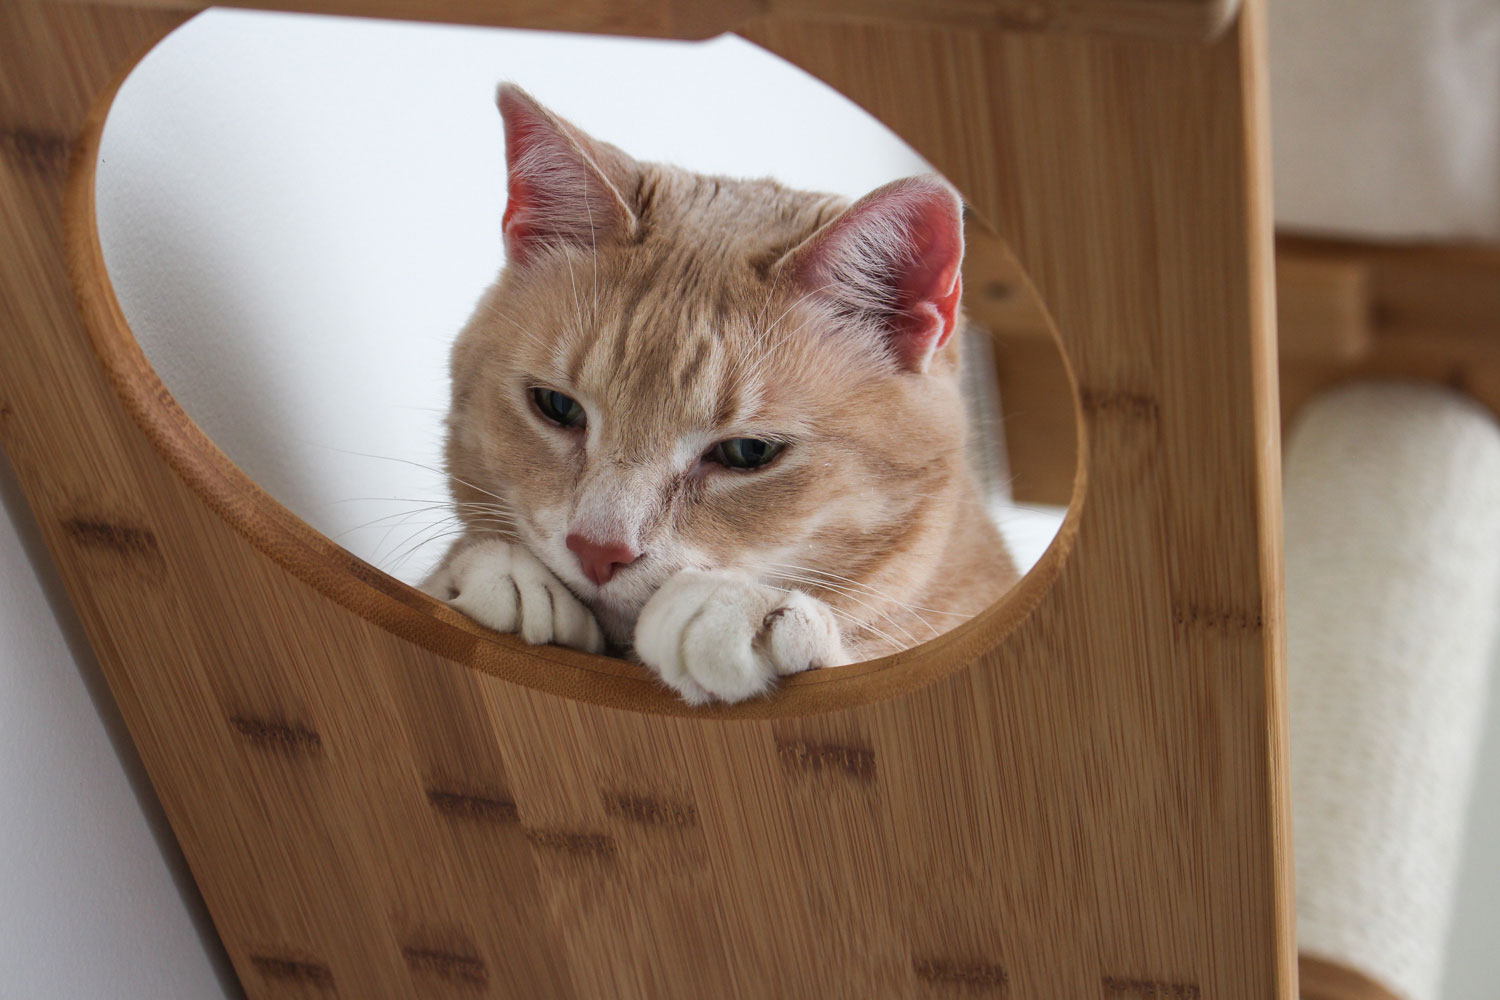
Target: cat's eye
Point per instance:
(745, 453)
(565, 411)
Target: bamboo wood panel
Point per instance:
(1194, 19)
(1080, 793)
(1346, 310)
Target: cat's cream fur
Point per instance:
(681, 310)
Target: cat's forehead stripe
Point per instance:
(689, 372)
(635, 293)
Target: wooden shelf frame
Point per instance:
(1082, 792)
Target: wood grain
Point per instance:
(1346, 310)
(1185, 19)
(1082, 792)
(1325, 979)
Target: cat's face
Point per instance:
(678, 371)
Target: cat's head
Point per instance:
(678, 371)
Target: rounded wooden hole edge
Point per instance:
(405, 612)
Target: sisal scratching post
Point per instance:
(1392, 589)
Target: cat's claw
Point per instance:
(502, 585)
(717, 635)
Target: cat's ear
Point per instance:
(563, 186)
(892, 261)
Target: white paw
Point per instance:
(504, 586)
(722, 635)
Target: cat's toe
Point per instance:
(698, 633)
(721, 658)
(801, 634)
(573, 624)
(482, 587)
(504, 586)
(659, 632)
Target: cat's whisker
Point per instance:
(427, 536)
(770, 296)
(788, 336)
(403, 517)
(437, 501)
(866, 587)
(793, 578)
(418, 530)
(801, 299)
(419, 465)
(594, 245)
(396, 560)
(846, 617)
(855, 595)
(577, 303)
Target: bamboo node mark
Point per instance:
(467, 805)
(35, 150)
(283, 736)
(573, 843)
(295, 969)
(446, 964)
(856, 762)
(110, 536)
(942, 970)
(1152, 989)
(651, 811)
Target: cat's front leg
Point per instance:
(502, 585)
(719, 635)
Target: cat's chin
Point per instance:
(616, 620)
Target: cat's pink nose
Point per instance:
(601, 559)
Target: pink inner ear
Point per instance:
(556, 192)
(895, 256)
(525, 132)
(930, 283)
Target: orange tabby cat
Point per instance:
(716, 422)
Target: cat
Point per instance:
(715, 423)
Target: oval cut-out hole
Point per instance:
(298, 215)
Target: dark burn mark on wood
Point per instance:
(470, 805)
(581, 844)
(449, 965)
(126, 540)
(1119, 403)
(942, 970)
(286, 737)
(1151, 989)
(1188, 614)
(855, 762)
(297, 970)
(650, 811)
(35, 150)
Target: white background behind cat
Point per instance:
(297, 277)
